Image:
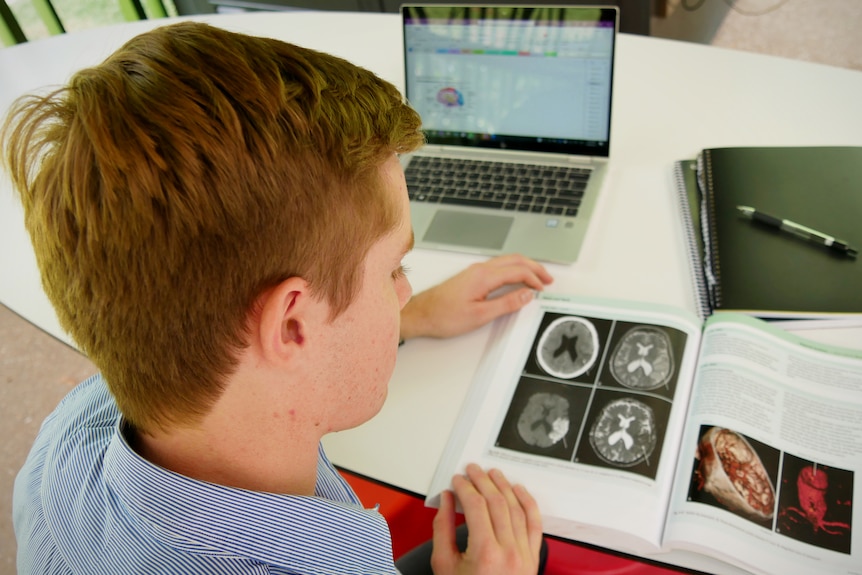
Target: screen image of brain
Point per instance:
(568, 347)
(544, 421)
(450, 97)
(624, 433)
(643, 359)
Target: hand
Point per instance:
(503, 523)
(461, 304)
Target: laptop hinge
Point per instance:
(516, 156)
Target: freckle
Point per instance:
(276, 415)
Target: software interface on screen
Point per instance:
(534, 78)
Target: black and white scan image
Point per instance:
(595, 391)
(544, 421)
(544, 418)
(643, 358)
(568, 347)
(624, 432)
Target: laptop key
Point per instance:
(472, 202)
(564, 202)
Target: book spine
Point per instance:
(701, 293)
(712, 265)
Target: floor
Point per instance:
(37, 370)
(822, 31)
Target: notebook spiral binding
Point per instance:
(712, 266)
(701, 291)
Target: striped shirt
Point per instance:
(86, 503)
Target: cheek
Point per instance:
(375, 369)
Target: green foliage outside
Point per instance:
(75, 14)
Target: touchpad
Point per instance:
(474, 230)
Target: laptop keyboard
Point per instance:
(496, 185)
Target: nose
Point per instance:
(405, 292)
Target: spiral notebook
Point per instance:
(685, 178)
(738, 265)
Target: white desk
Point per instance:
(672, 99)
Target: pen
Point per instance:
(799, 230)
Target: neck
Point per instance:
(269, 452)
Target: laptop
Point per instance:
(516, 107)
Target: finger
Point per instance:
(474, 505)
(517, 516)
(514, 274)
(497, 505)
(533, 517)
(519, 260)
(493, 308)
(512, 301)
(524, 514)
(444, 550)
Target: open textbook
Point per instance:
(641, 429)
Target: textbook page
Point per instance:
(767, 475)
(583, 402)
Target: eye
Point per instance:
(400, 272)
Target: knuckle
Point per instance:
(496, 500)
(477, 501)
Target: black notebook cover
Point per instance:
(769, 272)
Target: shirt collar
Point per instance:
(326, 533)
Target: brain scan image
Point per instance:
(568, 347)
(730, 470)
(643, 359)
(544, 421)
(624, 433)
(450, 97)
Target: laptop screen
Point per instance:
(523, 78)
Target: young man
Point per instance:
(220, 221)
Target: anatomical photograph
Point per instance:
(544, 418)
(735, 473)
(644, 358)
(568, 347)
(816, 504)
(624, 431)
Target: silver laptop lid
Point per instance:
(531, 78)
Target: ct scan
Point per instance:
(596, 392)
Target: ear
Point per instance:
(283, 319)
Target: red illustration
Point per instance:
(811, 486)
